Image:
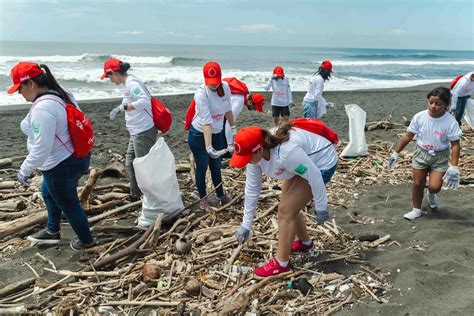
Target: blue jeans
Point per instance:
(59, 190)
(310, 109)
(460, 107)
(327, 174)
(198, 148)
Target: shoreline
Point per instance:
(24, 106)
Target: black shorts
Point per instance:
(280, 111)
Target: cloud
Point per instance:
(134, 33)
(254, 28)
(398, 31)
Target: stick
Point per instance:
(232, 258)
(16, 287)
(91, 181)
(81, 274)
(379, 241)
(142, 303)
(120, 209)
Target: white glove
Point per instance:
(393, 160)
(230, 148)
(242, 234)
(24, 180)
(116, 111)
(214, 153)
(330, 105)
(452, 177)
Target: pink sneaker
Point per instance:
(270, 268)
(298, 246)
(203, 204)
(225, 199)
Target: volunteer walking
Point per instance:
(314, 104)
(282, 98)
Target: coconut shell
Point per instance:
(182, 246)
(192, 287)
(151, 271)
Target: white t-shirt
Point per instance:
(140, 119)
(463, 87)
(211, 108)
(315, 90)
(281, 95)
(46, 120)
(237, 102)
(304, 154)
(434, 134)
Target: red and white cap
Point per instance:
(327, 65)
(23, 71)
(212, 73)
(259, 100)
(278, 71)
(247, 142)
(111, 64)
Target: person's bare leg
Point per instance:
(435, 182)
(276, 121)
(285, 119)
(301, 231)
(419, 181)
(293, 199)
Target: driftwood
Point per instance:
(114, 170)
(6, 162)
(16, 287)
(95, 219)
(111, 196)
(7, 185)
(12, 206)
(94, 174)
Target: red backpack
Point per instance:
(161, 115)
(453, 83)
(317, 127)
(80, 130)
(236, 87)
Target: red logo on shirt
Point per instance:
(440, 133)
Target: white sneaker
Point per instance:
(413, 214)
(432, 199)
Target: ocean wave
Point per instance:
(185, 61)
(397, 56)
(400, 62)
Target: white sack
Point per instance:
(469, 113)
(357, 145)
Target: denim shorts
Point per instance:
(328, 173)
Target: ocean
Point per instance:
(174, 69)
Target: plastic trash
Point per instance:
(357, 145)
(156, 177)
(469, 112)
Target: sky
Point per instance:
(417, 24)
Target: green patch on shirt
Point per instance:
(301, 170)
(137, 91)
(36, 128)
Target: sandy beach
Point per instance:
(431, 265)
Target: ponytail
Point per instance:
(47, 80)
(220, 91)
(281, 136)
(123, 68)
(325, 73)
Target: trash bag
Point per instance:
(357, 145)
(156, 177)
(469, 112)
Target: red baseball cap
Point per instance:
(258, 99)
(111, 64)
(247, 142)
(212, 73)
(278, 71)
(327, 64)
(23, 71)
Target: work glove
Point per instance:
(215, 153)
(230, 148)
(24, 180)
(452, 177)
(393, 160)
(322, 216)
(242, 234)
(330, 105)
(116, 111)
(453, 112)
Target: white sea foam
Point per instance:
(397, 62)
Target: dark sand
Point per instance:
(437, 281)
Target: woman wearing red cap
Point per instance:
(306, 162)
(314, 105)
(50, 150)
(282, 99)
(136, 104)
(205, 139)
